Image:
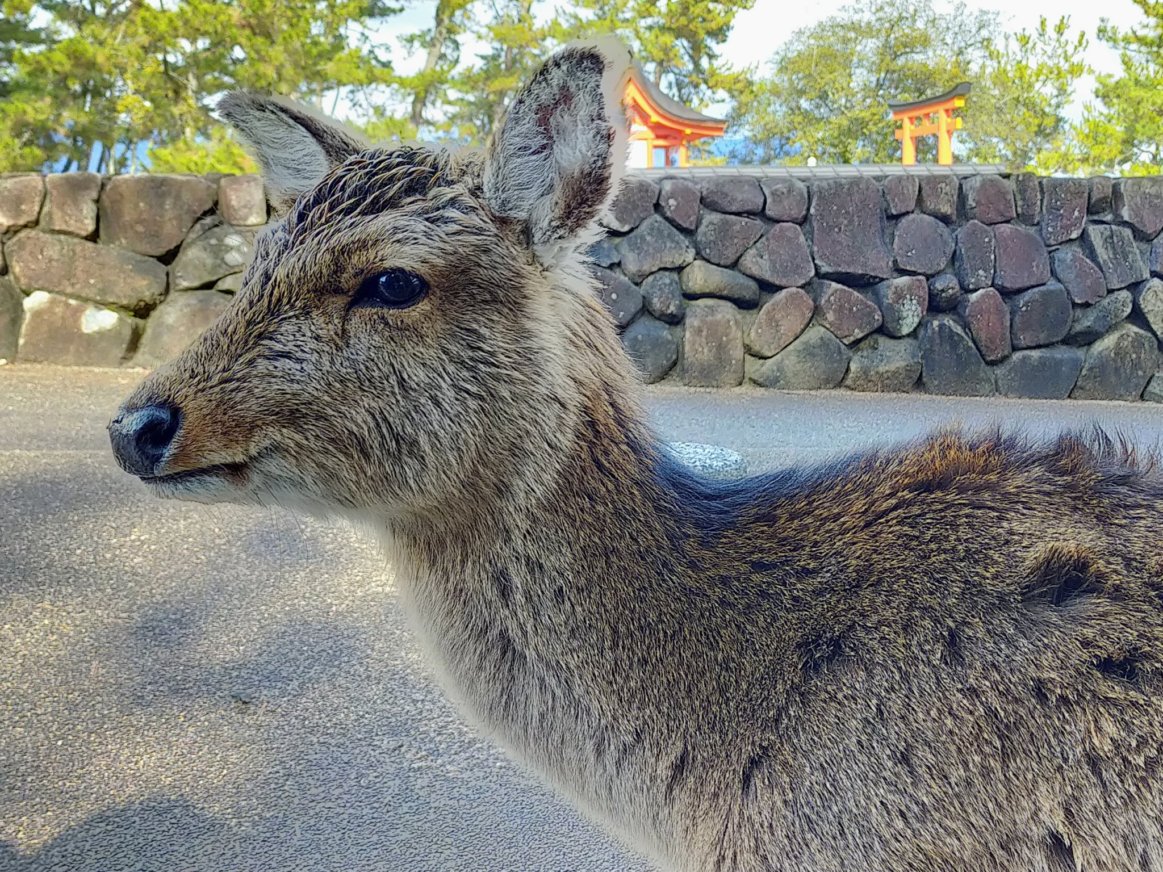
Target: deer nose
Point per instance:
(141, 437)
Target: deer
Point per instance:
(942, 655)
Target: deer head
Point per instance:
(409, 329)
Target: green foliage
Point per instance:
(104, 76)
(103, 82)
(217, 152)
(1017, 112)
(829, 86)
(1124, 131)
(677, 42)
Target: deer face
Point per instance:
(398, 338)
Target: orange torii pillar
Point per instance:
(933, 115)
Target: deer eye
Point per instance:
(393, 289)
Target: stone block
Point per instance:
(735, 194)
(944, 293)
(785, 199)
(75, 267)
(721, 238)
(1040, 373)
(987, 317)
(70, 204)
(604, 253)
(231, 284)
(712, 345)
(1028, 198)
(633, 204)
(782, 318)
(950, 362)
(1139, 202)
(21, 195)
(1118, 365)
(1153, 393)
(11, 316)
(211, 251)
(151, 214)
(620, 297)
(884, 365)
(922, 244)
(975, 258)
(652, 346)
(1022, 261)
(63, 331)
(1064, 203)
(662, 294)
(678, 200)
(938, 196)
(242, 200)
(903, 303)
(848, 314)
(1040, 316)
(900, 194)
(848, 231)
(1114, 250)
(177, 323)
(1149, 301)
(1101, 193)
(1091, 322)
(988, 199)
(702, 279)
(1082, 279)
(781, 258)
(816, 360)
(653, 245)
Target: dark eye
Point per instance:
(393, 289)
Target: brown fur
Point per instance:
(946, 656)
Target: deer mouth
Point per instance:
(204, 482)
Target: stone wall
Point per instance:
(873, 280)
(970, 285)
(128, 269)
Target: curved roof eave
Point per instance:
(956, 91)
(667, 105)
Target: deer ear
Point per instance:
(558, 157)
(295, 146)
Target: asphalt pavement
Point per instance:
(189, 689)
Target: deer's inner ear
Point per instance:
(559, 155)
(294, 146)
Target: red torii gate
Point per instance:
(933, 115)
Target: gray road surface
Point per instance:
(212, 690)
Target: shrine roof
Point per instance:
(666, 105)
(956, 91)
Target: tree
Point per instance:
(1017, 112)
(483, 92)
(441, 45)
(677, 42)
(827, 94)
(829, 84)
(112, 76)
(1124, 131)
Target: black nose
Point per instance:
(140, 437)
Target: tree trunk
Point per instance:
(440, 32)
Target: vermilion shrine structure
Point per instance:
(662, 129)
(933, 115)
